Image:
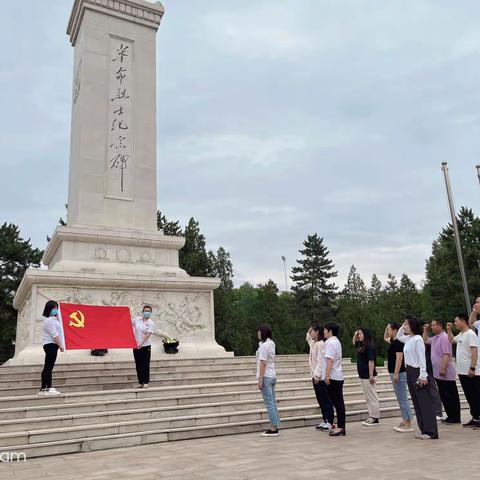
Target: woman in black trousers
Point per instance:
(143, 329)
(52, 342)
(418, 381)
(333, 376)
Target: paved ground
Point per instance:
(366, 453)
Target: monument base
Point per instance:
(118, 268)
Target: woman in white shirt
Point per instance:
(316, 360)
(418, 381)
(266, 377)
(143, 329)
(52, 342)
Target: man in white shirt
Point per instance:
(467, 360)
(475, 323)
(333, 375)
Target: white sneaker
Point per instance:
(320, 426)
(403, 429)
(42, 393)
(327, 427)
(370, 421)
(423, 436)
(53, 389)
(439, 419)
(52, 393)
(145, 385)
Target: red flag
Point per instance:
(91, 327)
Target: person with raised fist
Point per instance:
(467, 360)
(444, 371)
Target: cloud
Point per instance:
(241, 150)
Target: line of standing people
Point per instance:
(417, 364)
(327, 377)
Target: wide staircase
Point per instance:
(100, 408)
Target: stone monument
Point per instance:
(110, 252)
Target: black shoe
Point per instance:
(270, 433)
(472, 423)
(450, 421)
(340, 433)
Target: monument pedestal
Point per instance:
(118, 267)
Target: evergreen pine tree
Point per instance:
(193, 256)
(392, 284)
(222, 267)
(355, 287)
(375, 288)
(409, 298)
(313, 288)
(443, 290)
(16, 255)
(168, 227)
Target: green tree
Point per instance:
(392, 284)
(313, 288)
(352, 309)
(222, 267)
(409, 298)
(375, 289)
(240, 337)
(168, 227)
(193, 256)
(223, 296)
(355, 287)
(443, 291)
(16, 255)
(277, 309)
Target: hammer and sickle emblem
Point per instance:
(78, 319)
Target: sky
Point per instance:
(276, 120)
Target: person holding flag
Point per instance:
(52, 342)
(143, 329)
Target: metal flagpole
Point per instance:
(285, 267)
(478, 172)
(457, 236)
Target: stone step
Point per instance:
(99, 363)
(47, 434)
(64, 378)
(83, 402)
(34, 406)
(160, 365)
(98, 409)
(104, 442)
(124, 382)
(152, 411)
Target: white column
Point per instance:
(112, 180)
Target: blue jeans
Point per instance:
(268, 393)
(401, 393)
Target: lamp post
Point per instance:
(457, 236)
(285, 269)
(478, 171)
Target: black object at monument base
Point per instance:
(99, 352)
(171, 347)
